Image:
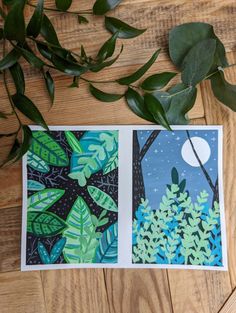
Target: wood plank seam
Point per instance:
(105, 283)
(170, 294)
(44, 298)
(223, 307)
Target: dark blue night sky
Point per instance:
(165, 153)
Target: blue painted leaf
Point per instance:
(42, 200)
(43, 253)
(34, 185)
(57, 250)
(107, 251)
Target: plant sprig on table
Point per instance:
(194, 49)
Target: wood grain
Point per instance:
(230, 304)
(21, 293)
(75, 291)
(138, 291)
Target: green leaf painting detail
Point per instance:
(102, 199)
(44, 199)
(81, 234)
(46, 148)
(98, 147)
(180, 231)
(44, 224)
(107, 251)
(55, 253)
(73, 142)
(112, 163)
(37, 163)
(34, 185)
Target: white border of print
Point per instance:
(125, 201)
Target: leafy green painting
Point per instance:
(72, 205)
(176, 212)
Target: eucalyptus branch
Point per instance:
(84, 12)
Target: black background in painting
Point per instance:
(58, 178)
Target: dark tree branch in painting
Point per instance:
(214, 187)
(138, 155)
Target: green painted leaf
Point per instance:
(63, 5)
(73, 142)
(140, 72)
(27, 107)
(198, 62)
(125, 31)
(155, 108)
(80, 245)
(43, 253)
(102, 199)
(175, 176)
(104, 96)
(42, 200)
(37, 163)
(224, 91)
(14, 26)
(112, 163)
(34, 185)
(44, 224)
(35, 22)
(103, 6)
(49, 85)
(45, 147)
(57, 250)
(180, 104)
(157, 81)
(10, 59)
(107, 251)
(98, 147)
(136, 103)
(18, 77)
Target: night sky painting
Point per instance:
(176, 213)
(165, 153)
(72, 197)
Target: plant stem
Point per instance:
(59, 11)
(177, 93)
(97, 82)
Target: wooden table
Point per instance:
(111, 290)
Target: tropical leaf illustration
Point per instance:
(180, 231)
(34, 185)
(37, 163)
(42, 200)
(44, 224)
(81, 236)
(111, 164)
(73, 142)
(45, 147)
(102, 199)
(97, 147)
(107, 251)
(54, 254)
(57, 250)
(43, 253)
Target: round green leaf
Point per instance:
(157, 81)
(103, 6)
(224, 91)
(124, 30)
(104, 96)
(198, 62)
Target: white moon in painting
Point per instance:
(202, 148)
